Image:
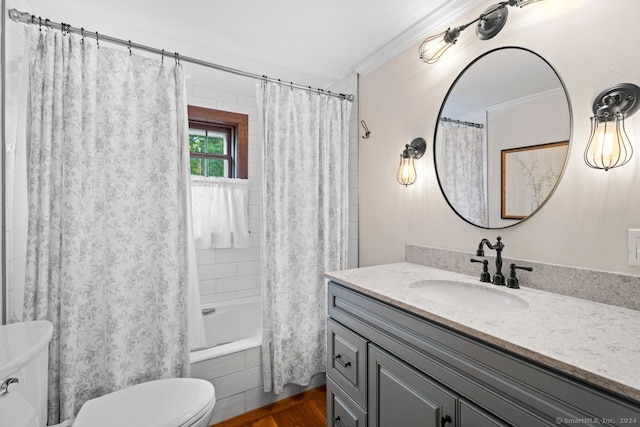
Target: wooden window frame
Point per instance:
(238, 130)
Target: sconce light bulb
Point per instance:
(407, 170)
(609, 144)
(432, 48)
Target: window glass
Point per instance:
(218, 142)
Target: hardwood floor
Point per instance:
(307, 409)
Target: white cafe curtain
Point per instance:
(220, 212)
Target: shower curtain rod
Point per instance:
(27, 18)
(461, 122)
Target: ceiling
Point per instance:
(308, 42)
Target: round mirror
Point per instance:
(502, 138)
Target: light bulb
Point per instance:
(432, 48)
(609, 145)
(407, 170)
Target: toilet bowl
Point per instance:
(174, 402)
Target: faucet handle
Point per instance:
(512, 281)
(484, 276)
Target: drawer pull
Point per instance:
(338, 359)
(445, 419)
(336, 421)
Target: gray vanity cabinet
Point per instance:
(388, 367)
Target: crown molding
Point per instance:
(529, 99)
(444, 16)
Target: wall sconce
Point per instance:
(609, 146)
(407, 170)
(490, 22)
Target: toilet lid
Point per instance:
(162, 403)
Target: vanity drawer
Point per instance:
(347, 354)
(342, 411)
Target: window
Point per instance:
(218, 142)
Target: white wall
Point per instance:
(585, 223)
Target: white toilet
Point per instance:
(175, 402)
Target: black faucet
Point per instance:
(498, 278)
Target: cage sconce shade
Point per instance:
(407, 174)
(432, 48)
(407, 170)
(609, 145)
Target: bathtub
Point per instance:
(231, 360)
(230, 327)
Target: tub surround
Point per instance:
(599, 286)
(584, 339)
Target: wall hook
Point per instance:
(367, 132)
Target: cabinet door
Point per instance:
(400, 395)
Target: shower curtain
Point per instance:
(465, 171)
(304, 229)
(108, 247)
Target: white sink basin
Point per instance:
(468, 296)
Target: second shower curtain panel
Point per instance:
(305, 226)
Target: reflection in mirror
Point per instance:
(509, 104)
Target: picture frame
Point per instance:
(528, 176)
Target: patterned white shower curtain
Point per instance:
(108, 251)
(465, 171)
(305, 226)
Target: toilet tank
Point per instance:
(24, 354)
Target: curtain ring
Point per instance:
(63, 28)
(97, 40)
(46, 22)
(33, 19)
(82, 34)
(129, 47)
(163, 56)
(40, 23)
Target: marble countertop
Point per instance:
(595, 342)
